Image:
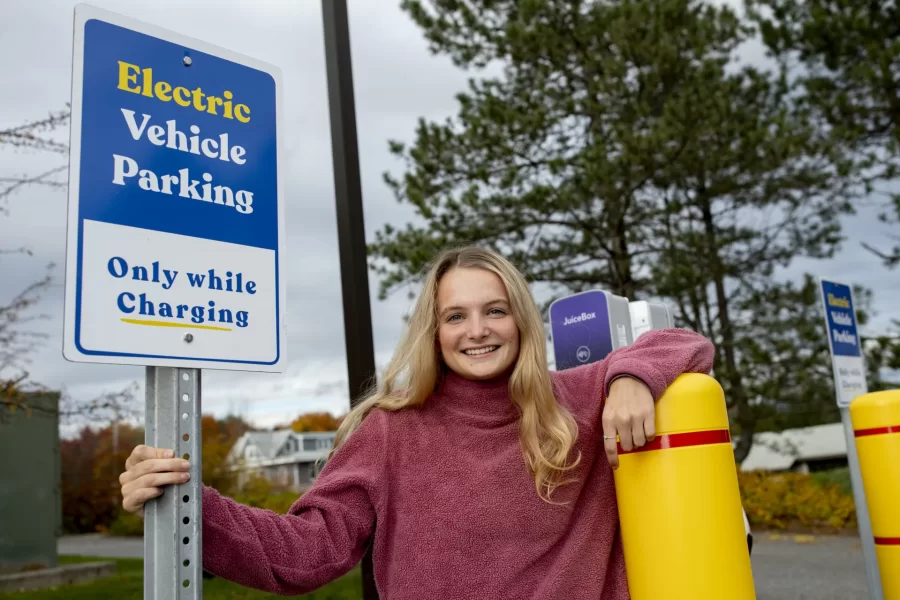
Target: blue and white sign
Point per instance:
(586, 327)
(843, 341)
(175, 249)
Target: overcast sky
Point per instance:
(396, 82)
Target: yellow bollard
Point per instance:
(876, 429)
(680, 504)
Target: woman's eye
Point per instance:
(452, 317)
(498, 311)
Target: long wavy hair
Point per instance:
(547, 431)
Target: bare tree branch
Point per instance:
(890, 259)
(17, 340)
(35, 135)
(32, 134)
(18, 337)
(13, 183)
(20, 395)
(109, 406)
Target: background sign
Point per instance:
(586, 327)
(843, 340)
(176, 215)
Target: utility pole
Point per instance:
(351, 231)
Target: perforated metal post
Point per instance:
(173, 548)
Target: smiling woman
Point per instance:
(477, 333)
(488, 476)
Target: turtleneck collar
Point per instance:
(485, 402)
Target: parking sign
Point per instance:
(175, 249)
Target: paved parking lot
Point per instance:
(808, 568)
(101, 545)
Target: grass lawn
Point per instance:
(128, 584)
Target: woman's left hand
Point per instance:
(630, 414)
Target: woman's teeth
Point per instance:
(478, 351)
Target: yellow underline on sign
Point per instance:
(164, 324)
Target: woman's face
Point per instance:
(477, 333)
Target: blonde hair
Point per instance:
(547, 431)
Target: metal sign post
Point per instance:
(175, 241)
(848, 366)
(173, 420)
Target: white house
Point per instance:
(799, 450)
(283, 457)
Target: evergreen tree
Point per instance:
(846, 58)
(622, 148)
(754, 187)
(552, 161)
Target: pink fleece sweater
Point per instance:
(451, 503)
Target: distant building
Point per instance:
(803, 450)
(285, 457)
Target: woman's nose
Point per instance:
(477, 328)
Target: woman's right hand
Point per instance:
(147, 470)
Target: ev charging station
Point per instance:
(587, 326)
(646, 316)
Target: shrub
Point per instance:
(840, 476)
(259, 492)
(792, 500)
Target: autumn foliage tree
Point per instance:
(90, 476)
(316, 421)
(218, 439)
(91, 492)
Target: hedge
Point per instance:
(796, 501)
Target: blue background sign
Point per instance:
(840, 318)
(580, 329)
(176, 218)
(115, 57)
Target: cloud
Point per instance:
(397, 81)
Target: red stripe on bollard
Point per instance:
(877, 430)
(683, 440)
(887, 541)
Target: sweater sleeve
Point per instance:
(322, 536)
(657, 358)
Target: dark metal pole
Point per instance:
(351, 232)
